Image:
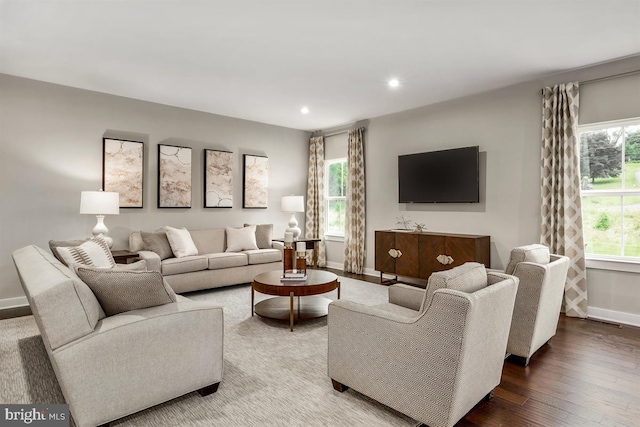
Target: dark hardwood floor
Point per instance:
(588, 375)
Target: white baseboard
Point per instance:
(13, 302)
(613, 316)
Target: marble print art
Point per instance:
(122, 170)
(174, 176)
(218, 179)
(256, 182)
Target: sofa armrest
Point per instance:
(406, 296)
(152, 259)
(171, 350)
(279, 246)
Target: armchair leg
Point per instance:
(489, 395)
(519, 360)
(210, 389)
(338, 386)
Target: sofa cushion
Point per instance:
(263, 256)
(181, 242)
(209, 241)
(264, 235)
(118, 291)
(529, 253)
(187, 264)
(227, 260)
(241, 239)
(157, 242)
(94, 252)
(468, 277)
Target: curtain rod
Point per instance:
(614, 76)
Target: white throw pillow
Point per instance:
(181, 242)
(241, 239)
(94, 252)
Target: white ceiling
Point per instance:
(264, 60)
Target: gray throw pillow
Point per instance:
(157, 242)
(264, 235)
(118, 290)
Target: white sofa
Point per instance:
(111, 366)
(212, 267)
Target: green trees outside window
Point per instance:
(336, 196)
(610, 183)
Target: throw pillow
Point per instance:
(94, 252)
(530, 253)
(264, 235)
(241, 239)
(118, 291)
(54, 244)
(157, 242)
(468, 277)
(181, 242)
(134, 266)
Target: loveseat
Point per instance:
(222, 258)
(110, 366)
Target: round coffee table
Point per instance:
(282, 307)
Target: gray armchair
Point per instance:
(432, 353)
(111, 366)
(535, 316)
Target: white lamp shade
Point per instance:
(99, 203)
(292, 204)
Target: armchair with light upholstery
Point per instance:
(432, 353)
(537, 310)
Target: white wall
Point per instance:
(506, 124)
(51, 150)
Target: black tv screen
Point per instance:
(447, 176)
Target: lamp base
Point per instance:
(101, 229)
(293, 227)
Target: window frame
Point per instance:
(602, 261)
(327, 199)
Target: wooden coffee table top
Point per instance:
(318, 282)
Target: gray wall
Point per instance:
(51, 150)
(506, 124)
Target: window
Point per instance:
(336, 176)
(610, 189)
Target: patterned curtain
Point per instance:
(354, 233)
(314, 215)
(560, 178)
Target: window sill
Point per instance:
(333, 238)
(613, 265)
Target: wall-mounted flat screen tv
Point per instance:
(447, 176)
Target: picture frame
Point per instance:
(174, 176)
(218, 179)
(255, 182)
(123, 170)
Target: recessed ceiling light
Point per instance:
(394, 83)
(304, 110)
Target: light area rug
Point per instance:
(272, 377)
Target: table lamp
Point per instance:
(293, 204)
(100, 203)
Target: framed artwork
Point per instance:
(122, 170)
(174, 176)
(218, 179)
(255, 182)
